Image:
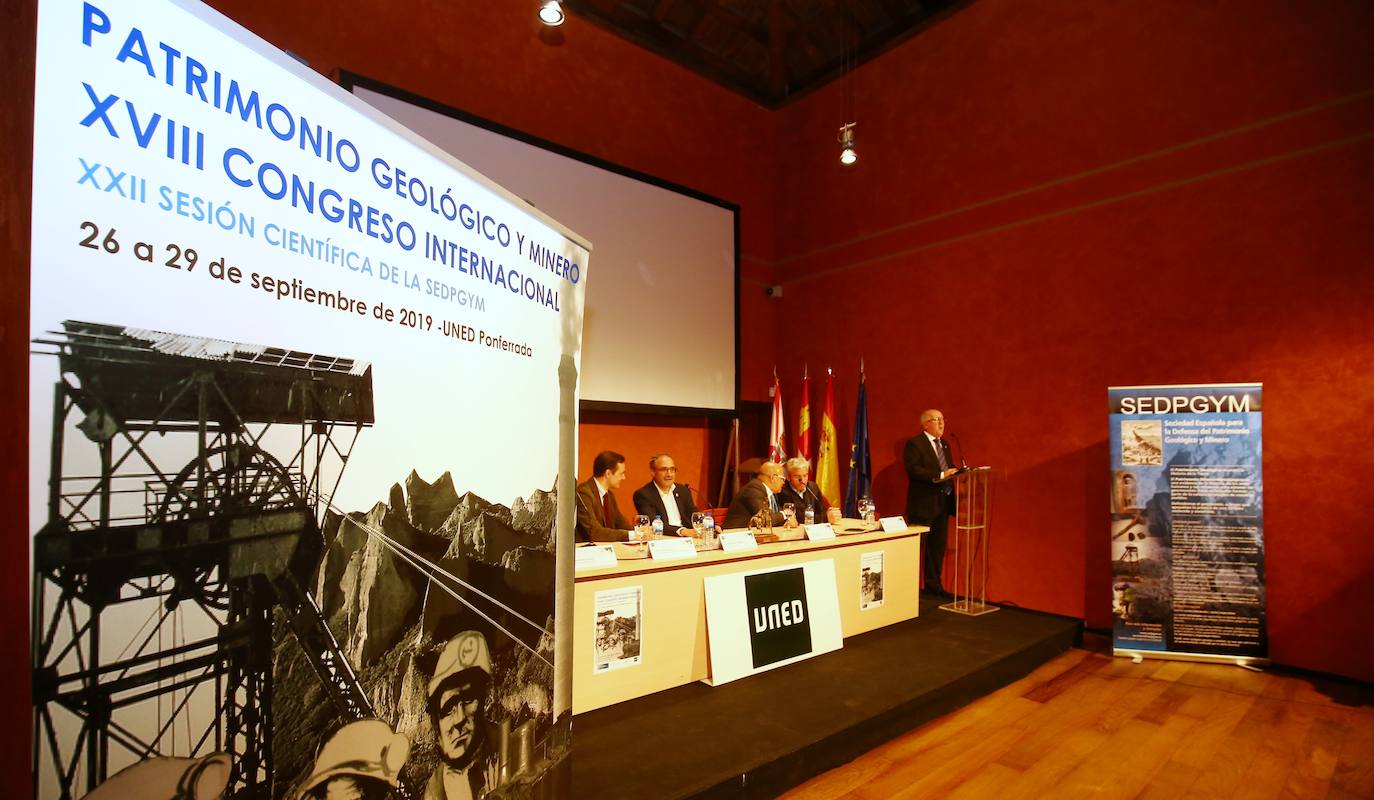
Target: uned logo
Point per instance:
(779, 625)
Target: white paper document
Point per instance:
(821, 530)
(597, 556)
(672, 549)
(738, 542)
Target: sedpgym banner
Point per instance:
(304, 396)
(1187, 504)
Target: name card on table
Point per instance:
(821, 530)
(893, 524)
(597, 556)
(672, 549)
(738, 542)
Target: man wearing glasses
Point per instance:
(929, 494)
(664, 497)
(457, 707)
(756, 495)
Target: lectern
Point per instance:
(973, 494)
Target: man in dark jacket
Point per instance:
(760, 493)
(598, 515)
(929, 495)
(664, 497)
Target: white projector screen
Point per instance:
(660, 326)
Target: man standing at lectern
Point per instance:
(929, 496)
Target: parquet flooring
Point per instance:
(1090, 725)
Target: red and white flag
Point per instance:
(776, 450)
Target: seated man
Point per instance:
(802, 493)
(760, 493)
(598, 516)
(666, 498)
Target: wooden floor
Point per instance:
(1090, 725)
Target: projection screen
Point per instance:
(661, 315)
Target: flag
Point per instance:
(860, 465)
(804, 419)
(827, 463)
(776, 451)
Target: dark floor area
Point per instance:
(756, 737)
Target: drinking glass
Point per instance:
(789, 514)
(642, 526)
(697, 524)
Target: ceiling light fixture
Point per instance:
(848, 155)
(551, 13)
(846, 139)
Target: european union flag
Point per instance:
(860, 464)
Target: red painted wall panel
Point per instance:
(1053, 198)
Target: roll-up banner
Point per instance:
(304, 405)
(1187, 527)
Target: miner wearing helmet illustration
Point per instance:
(458, 695)
(361, 761)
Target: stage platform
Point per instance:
(760, 736)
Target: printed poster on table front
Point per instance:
(871, 580)
(619, 633)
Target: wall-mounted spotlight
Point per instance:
(846, 139)
(551, 13)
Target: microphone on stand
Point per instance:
(962, 463)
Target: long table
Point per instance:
(673, 639)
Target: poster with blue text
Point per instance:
(1187, 527)
(302, 434)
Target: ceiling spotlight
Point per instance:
(846, 139)
(551, 12)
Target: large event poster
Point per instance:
(303, 400)
(1188, 521)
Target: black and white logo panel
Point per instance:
(779, 625)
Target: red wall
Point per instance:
(16, 148)
(1054, 198)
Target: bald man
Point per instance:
(929, 495)
(760, 493)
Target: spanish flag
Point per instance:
(827, 460)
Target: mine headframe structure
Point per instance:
(191, 492)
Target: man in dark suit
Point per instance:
(929, 496)
(803, 494)
(598, 515)
(665, 498)
(760, 493)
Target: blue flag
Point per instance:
(860, 465)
